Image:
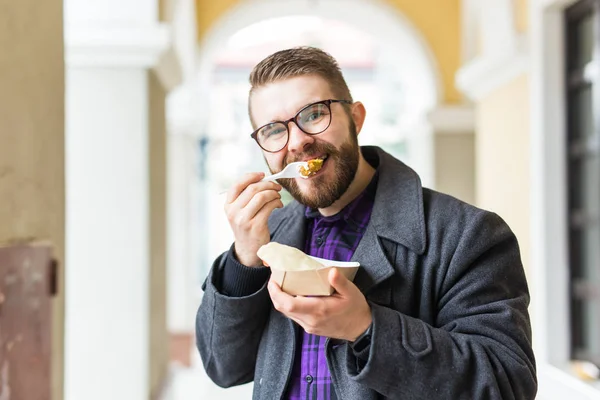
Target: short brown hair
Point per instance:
(299, 61)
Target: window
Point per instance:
(582, 24)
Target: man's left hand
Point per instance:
(343, 315)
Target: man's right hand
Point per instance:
(248, 206)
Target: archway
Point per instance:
(393, 30)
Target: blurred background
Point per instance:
(122, 121)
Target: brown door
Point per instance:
(27, 276)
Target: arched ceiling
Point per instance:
(438, 22)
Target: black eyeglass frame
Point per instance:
(254, 135)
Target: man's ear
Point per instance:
(359, 113)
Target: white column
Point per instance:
(109, 51)
(182, 263)
(184, 222)
(107, 234)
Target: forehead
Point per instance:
(283, 99)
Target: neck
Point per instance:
(361, 180)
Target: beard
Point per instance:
(324, 192)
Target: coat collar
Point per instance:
(398, 213)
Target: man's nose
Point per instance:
(298, 139)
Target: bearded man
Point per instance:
(438, 308)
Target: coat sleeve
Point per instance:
(229, 329)
(480, 346)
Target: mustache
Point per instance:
(313, 151)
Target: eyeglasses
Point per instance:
(313, 119)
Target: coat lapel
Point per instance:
(398, 212)
(397, 218)
(375, 265)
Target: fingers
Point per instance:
(248, 197)
(263, 214)
(293, 306)
(253, 190)
(245, 189)
(345, 315)
(250, 219)
(259, 201)
(282, 302)
(280, 299)
(340, 283)
(242, 184)
(308, 312)
(245, 200)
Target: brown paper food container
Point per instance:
(312, 282)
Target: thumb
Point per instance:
(339, 282)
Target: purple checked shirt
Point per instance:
(334, 238)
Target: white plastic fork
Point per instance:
(292, 170)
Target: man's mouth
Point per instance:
(322, 157)
(315, 165)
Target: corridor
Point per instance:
(123, 122)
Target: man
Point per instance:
(438, 309)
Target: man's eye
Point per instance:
(275, 132)
(314, 116)
(314, 113)
(272, 131)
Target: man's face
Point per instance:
(280, 101)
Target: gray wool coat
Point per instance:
(447, 292)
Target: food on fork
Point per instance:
(313, 167)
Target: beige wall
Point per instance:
(158, 212)
(32, 137)
(455, 165)
(502, 157)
